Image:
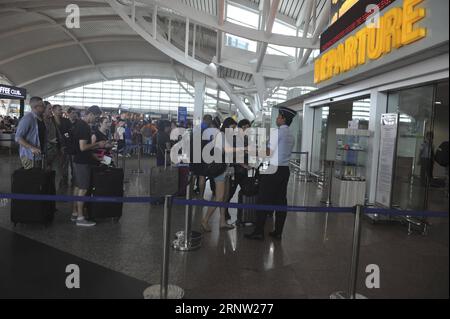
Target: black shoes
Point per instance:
(275, 235)
(255, 236)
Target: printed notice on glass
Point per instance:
(388, 145)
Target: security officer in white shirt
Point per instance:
(273, 186)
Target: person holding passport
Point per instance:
(84, 160)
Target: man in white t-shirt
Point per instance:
(120, 137)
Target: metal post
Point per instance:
(164, 290)
(188, 240)
(166, 237)
(139, 170)
(351, 292)
(165, 159)
(329, 184)
(307, 167)
(355, 253)
(188, 215)
(139, 157)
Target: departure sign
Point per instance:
(396, 28)
(347, 15)
(13, 93)
(340, 7)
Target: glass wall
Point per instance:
(418, 179)
(149, 95)
(329, 118)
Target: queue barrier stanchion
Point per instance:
(139, 149)
(329, 183)
(164, 290)
(188, 240)
(353, 277)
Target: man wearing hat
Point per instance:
(273, 186)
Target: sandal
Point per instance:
(226, 227)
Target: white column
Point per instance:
(378, 106)
(199, 102)
(307, 135)
(186, 45)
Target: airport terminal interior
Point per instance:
(102, 100)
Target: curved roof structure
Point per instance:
(131, 38)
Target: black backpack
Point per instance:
(441, 156)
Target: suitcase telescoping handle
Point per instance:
(43, 159)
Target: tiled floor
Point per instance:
(311, 261)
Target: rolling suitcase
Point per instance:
(248, 195)
(246, 216)
(36, 181)
(183, 179)
(106, 181)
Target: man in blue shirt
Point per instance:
(31, 134)
(273, 185)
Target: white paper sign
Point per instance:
(388, 147)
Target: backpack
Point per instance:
(441, 156)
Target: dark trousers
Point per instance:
(273, 191)
(426, 171)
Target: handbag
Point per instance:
(214, 169)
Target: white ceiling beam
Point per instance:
(266, 71)
(306, 20)
(144, 29)
(226, 87)
(220, 21)
(67, 32)
(253, 6)
(43, 5)
(304, 13)
(64, 44)
(85, 67)
(58, 23)
(164, 46)
(160, 70)
(269, 22)
(322, 22)
(210, 21)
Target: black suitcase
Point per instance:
(183, 180)
(246, 216)
(248, 195)
(106, 181)
(34, 181)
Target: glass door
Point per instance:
(421, 121)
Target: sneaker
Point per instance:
(120, 155)
(85, 223)
(73, 218)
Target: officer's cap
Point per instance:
(287, 113)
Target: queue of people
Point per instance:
(8, 124)
(225, 178)
(81, 141)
